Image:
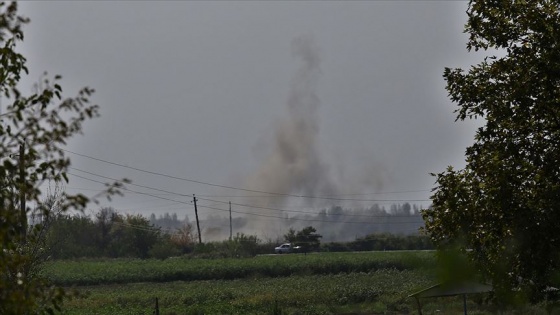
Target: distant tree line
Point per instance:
(114, 235)
(378, 242)
(337, 224)
(107, 234)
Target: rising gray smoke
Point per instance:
(294, 165)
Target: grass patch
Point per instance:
(316, 294)
(120, 271)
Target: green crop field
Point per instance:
(94, 272)
(314, 294)
(325, 283)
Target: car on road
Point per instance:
(286, 248)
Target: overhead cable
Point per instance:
(230, 187)
(237, 204)
(247, 213)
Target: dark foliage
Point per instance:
(503, 208)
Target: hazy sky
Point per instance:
(211, 91)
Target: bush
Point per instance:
(164, 249)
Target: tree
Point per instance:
(307, 238)
(243, 245)
(185, 238)
(131, 236)
(104, 220)
(140, 235)
(290, 237)
(72, 237)
(504, 206)
(33, 132)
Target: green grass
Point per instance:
(326, 283)
(90, 272)
(315, 294)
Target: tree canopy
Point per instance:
(33, 132)
(307, 238)
(504, 205)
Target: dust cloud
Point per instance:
(294, 165)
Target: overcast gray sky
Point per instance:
(201, 90)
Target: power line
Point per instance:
(339, 195)
(86, 189)
(176, 177)
(137, 185)
(239, 204)
(226, 186)
(185, 195)
(166, 206)
(249, 213)
(303, 219)
(300, 211)
(130, 190)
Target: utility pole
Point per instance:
(197, 223)
(230, 229)
(22, 188)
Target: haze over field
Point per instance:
(274, 105)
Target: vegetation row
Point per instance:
(380, 291)
(95, 272)
(114, 235)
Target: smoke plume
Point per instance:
(294, 165)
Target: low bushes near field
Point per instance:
(380, 242)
